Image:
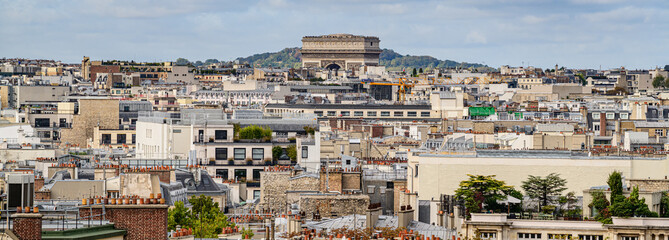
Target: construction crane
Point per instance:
(404, 86)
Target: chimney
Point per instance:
(373, 213)
(602, 123)
(27, 226)
(405, 216)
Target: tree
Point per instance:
(276, 152)
(414, 73)
(256, 132)
(601, 204)
(179, 215)
(542, 189)
(658, 81)
(570, 200)
(309, 130)
(666, 83)
(210, 61)
(182, 62)
(291, 151)
(664, 205)
(208, 219)
(615, 183)
(632, 206)
(420, 70)
(479, 189)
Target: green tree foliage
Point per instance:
(291, 151)
(205, 217)
(658, 81)
(208, 219)
(615, 183)
(210, 61)
(414, 73)
(420, 70)
(276, 152)
(570, 200)
(179, 215)
(632, 206)
(182, 62)
(543, 189)
(309, 130)
(619, 206)
(664, 205)
(286, 58)
(291, 58)
(582, 79)
(479, 189)
(247, 233)
(601, 205)
(256, 132)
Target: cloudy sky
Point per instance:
(571, 33)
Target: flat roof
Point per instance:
(349, 106)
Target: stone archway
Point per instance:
(333, 67)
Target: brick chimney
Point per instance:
(39, 183)
(602, 124)
(142, 221)
(27, 226)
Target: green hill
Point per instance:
(290, 58)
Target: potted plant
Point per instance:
(231, 161)
(249, 161)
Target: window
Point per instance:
(120, 138)
(370, 189)
(411, 114)
(529, 235)
(240, 153)
(488, 235)
(610, 116)
(398, 114)
(240, 174)
(106, 138)
(590, 237)
(659, 132)
(385, 114)
(425, 114)
(257, 153)
(222, 173)
(371, 113)
(134, 137)
(596, 127)
(358, 113)
(256, 194)
(629, 238)
(221, 134)
(256, 174)
(176, 130)
(221, 153)
(148, 133)
(345, 113)
(305, 152)
(318, 113)
(558, 236)
(332, 113)
(624, 115)
(595, 115)
(42, 122)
